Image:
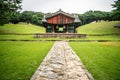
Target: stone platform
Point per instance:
(60, 35)
(61, 63)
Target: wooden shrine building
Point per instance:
(61, 22)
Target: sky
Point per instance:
(70, 6)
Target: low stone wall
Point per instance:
(60, 35)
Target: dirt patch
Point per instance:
(110, 44)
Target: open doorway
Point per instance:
(60, 29)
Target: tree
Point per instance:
(91, 16)
(15, 18)
(117, 9)
(31, 17)
(7, 9)
(26, 16)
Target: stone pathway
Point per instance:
(61, 63)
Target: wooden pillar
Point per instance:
(75, 29)
(46, 28)
(66, 28)
(53, 30)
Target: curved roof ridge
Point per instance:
(48, 15)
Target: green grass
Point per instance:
(101, 59)
(99, 28)
(31, 37)
(17, 37)
(19, 60)
(110, 37)
(92, 28)
(21, 28)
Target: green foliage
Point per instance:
(7, 9)
(99, 28)
(101, 59)
(15, 18)
(19, 60)
(91, 16)
(117, 10)
(31, 17)
(21, 28)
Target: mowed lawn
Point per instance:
(19, 60)
(102, 59)
(99, 28)
(21, 28)
(31, 37)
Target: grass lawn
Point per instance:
(21, 28)
(110, 37)
(102, 59)
(17, 37)
(31, 37)
(99, 28)
(19, 60)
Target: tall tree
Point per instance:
(117, 9)
(7, 9)
(31, 17)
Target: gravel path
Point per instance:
(61, 63)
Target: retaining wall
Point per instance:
(60, 35)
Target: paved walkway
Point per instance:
(61, 63)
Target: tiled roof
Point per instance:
(49, 15)
(44, 19)
(77, 19)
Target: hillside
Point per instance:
(21, 28)
(99, 28)
(92, 28)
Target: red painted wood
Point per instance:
(60, 19)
